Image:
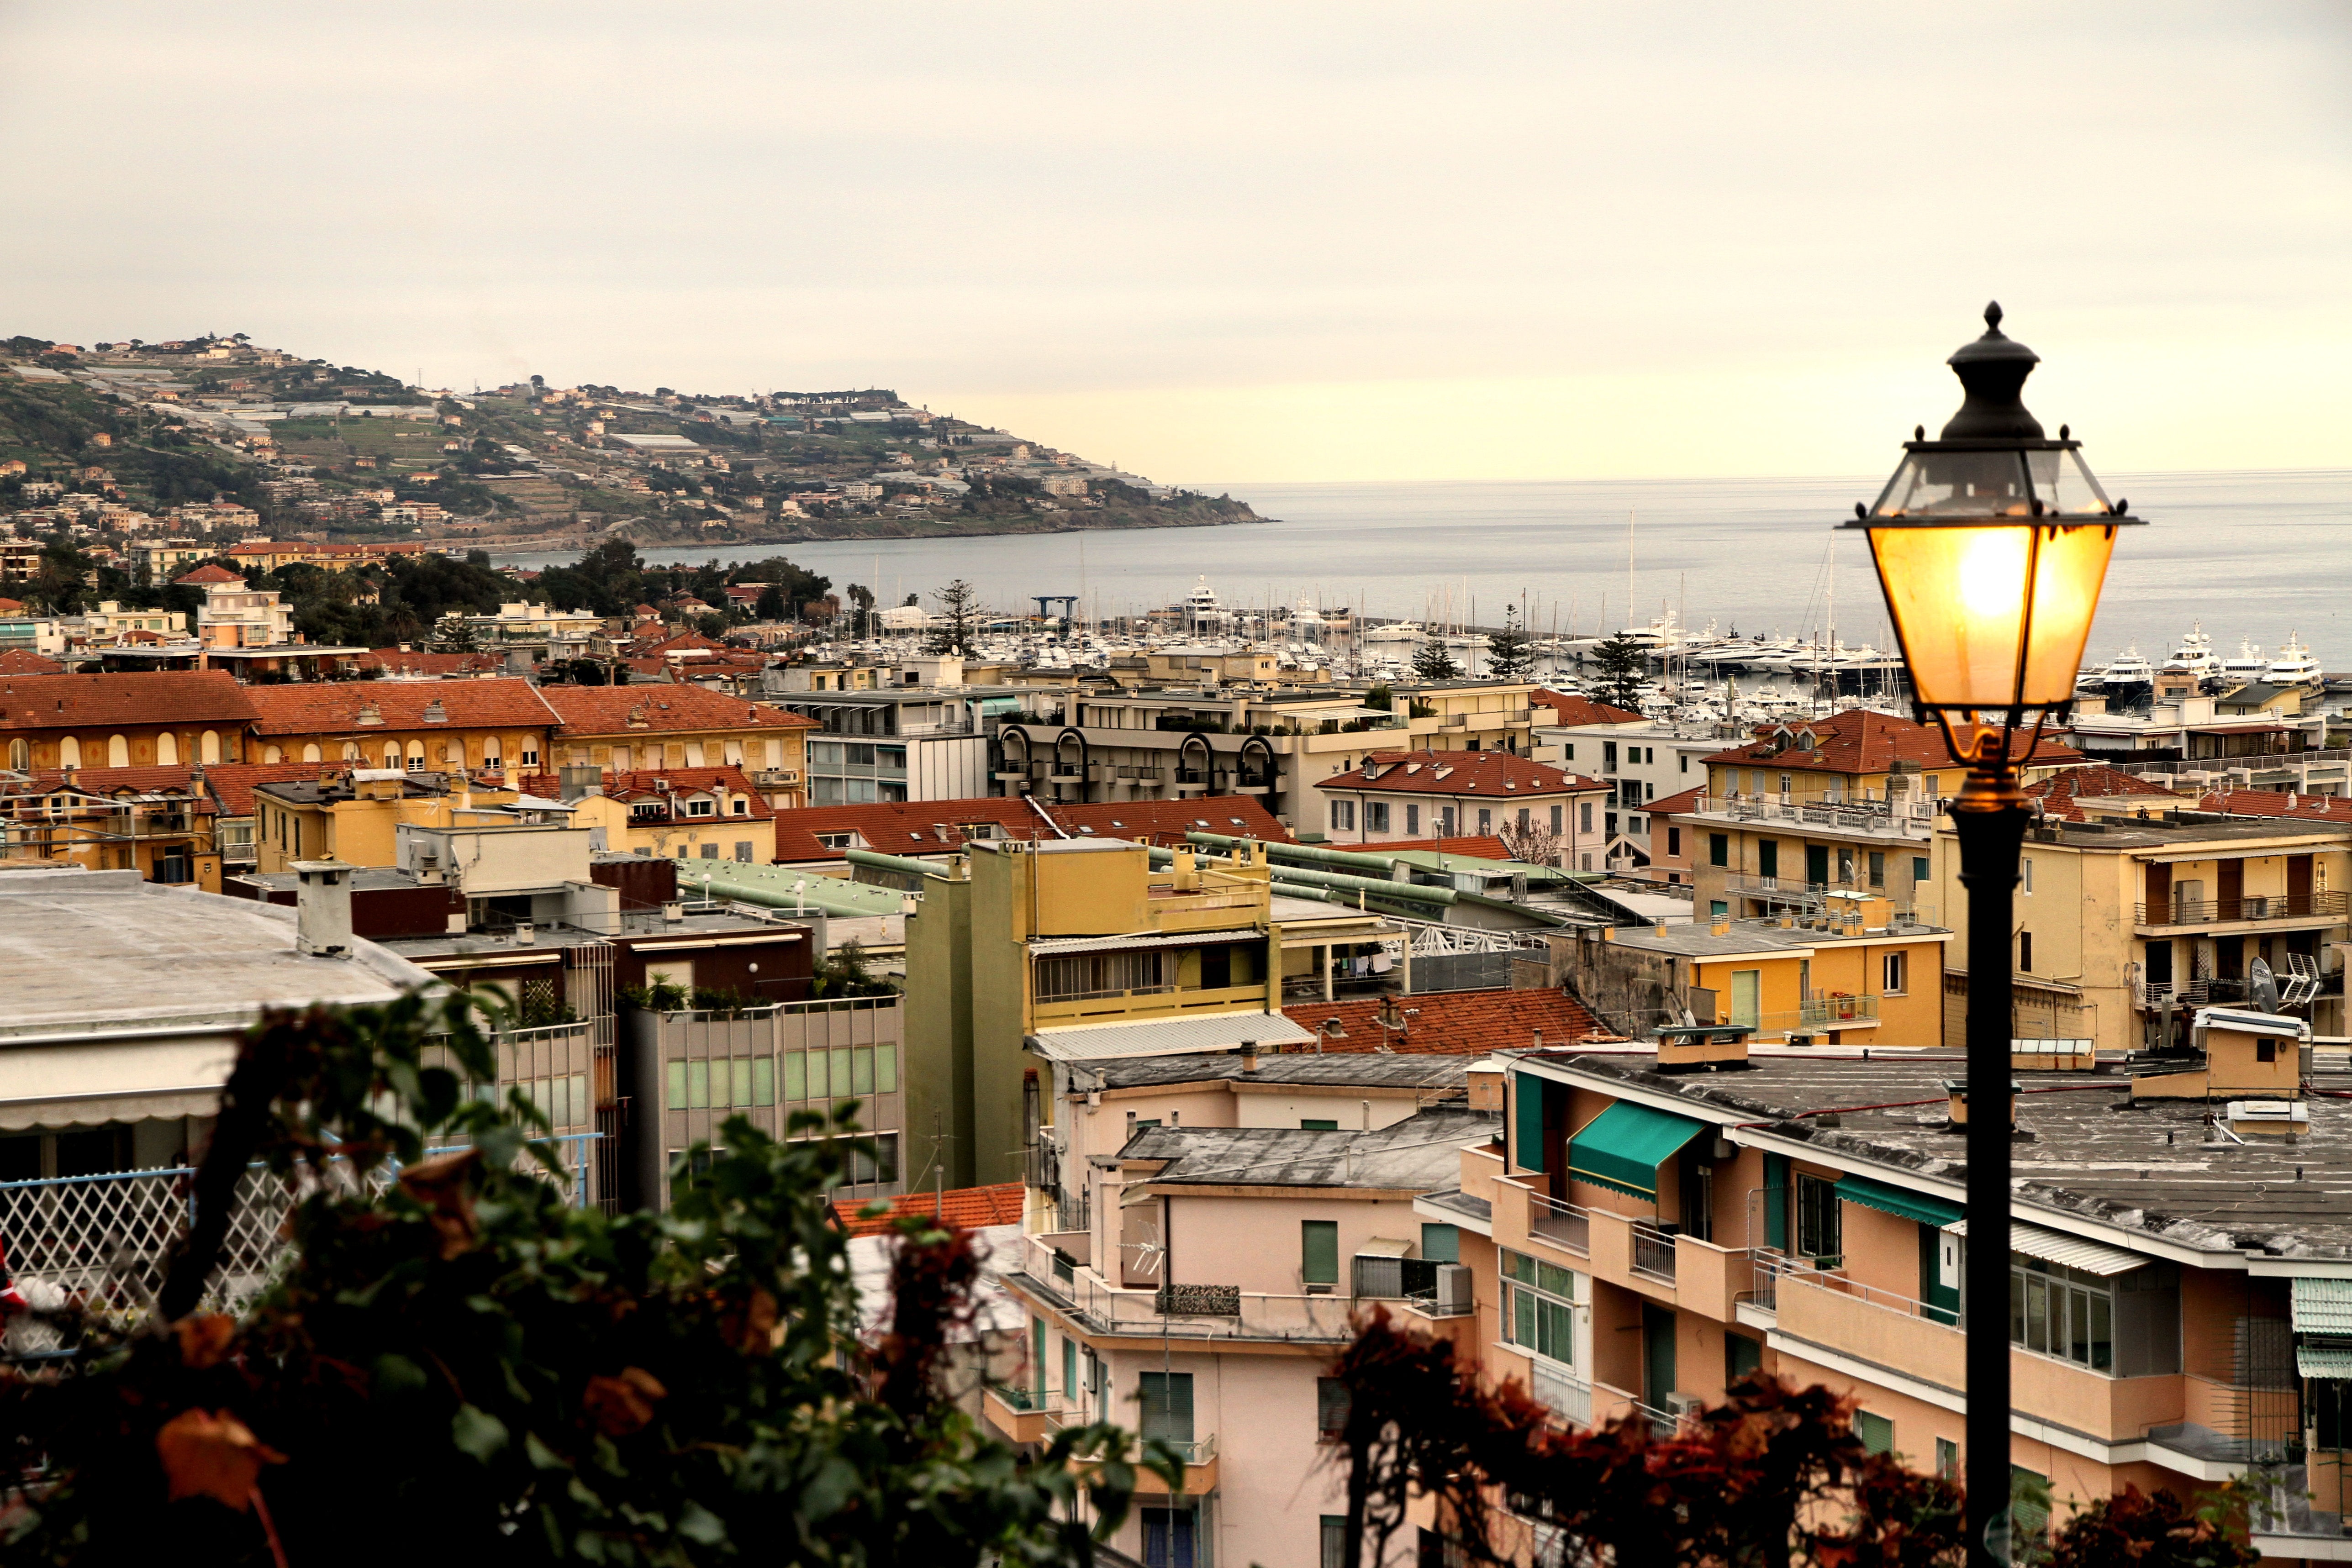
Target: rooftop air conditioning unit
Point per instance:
(1454, 1289)
(1681, 1406)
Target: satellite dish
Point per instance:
(2263, 986)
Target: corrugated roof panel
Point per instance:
(2323, 1306)
(2323, 1360)
(1115, 944)
(2057, 1247)
(1165, 1036)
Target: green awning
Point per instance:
(1895, 1200)
(2322, 1306)
(2324, 1361)
(1622, 1147)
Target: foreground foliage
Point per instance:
(461, 1362)
(1773, 1475)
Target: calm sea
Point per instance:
(2253, 556)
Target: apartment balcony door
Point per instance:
(1817, 865)
(1168, 1538)
(2230, 881)
(1657, 1355)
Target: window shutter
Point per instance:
(1528, 1096)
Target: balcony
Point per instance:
(776, 778)
(1911, 817)
(1067, 771)
(1148, 1001)
(1190, 1312)
(2252, 912)
(1024, 1415)
(1253, 784)
(1566, 1226)
(1652, 1253)
(1832, 1012)
(1191, 778)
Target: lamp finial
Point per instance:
(1992, 316)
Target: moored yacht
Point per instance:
(2128, 669)
(2195, 654)
(2248, 665)
(2293, 666)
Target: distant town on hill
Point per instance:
(121, 439)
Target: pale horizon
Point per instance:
(1319, 243)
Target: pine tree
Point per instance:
(1432, 660)
(958, 620)
(1624, 665)
(1510, 652)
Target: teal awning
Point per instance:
(1894, 1200)
(1622, 1147)
(2324, 1361)
(2322, 1306)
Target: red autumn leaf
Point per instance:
(213, 1455)
(445, 1185)
(620, 1405)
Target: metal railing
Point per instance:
(1564, 1225)
(1912, 816)
(1654, 1252)
(1774, 1268)
(1821, 1011)
(105, 1242)
(2251, 906)
(1255, 1315)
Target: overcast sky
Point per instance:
(1231, 243)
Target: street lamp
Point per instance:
(1990, 543)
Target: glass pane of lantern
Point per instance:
(2063, 484)
(1957, 596)
(1956, 483)
(2071, 566)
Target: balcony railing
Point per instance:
(1654, 1252)
(1192, 775)
(1912, 816)
(1564, 1225)
(2252, 906)
(1187, 1312)
(1829, 1011)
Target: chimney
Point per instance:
(1249, 1056)
(322, 909)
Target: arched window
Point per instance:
(272, 754)
(735, 753)
(351, 752)
(392, 754)
(167, 748)
(68, 752)
(209, 746)
(490, 759)
(694, 754)
(117, 751)
(20, 754)
(417, 756)
(456, 752)
(620, 760)
(310, 753)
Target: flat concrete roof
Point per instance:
(1368, 1068)
(110, 949)
(1421, 1154)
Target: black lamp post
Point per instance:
(1991, 542)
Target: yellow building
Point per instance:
(692, 814)
(1073, 950)
(624, 729)
(440, 727)
(2141, 911)
(1846, 803)
(357, 816)
(1858, 974)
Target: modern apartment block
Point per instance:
(1644, 764)
(1074, 949)
(1204, 1228)
(1642, 1239)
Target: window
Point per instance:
(1318, 1124)
(1167, 1398)
(1555, 819)
(2025, 951)
(1376, 816)
(1878, 868)
(1741, 1355)
(2063, 1312)
(1334, 1540)
(1584, 816)
(1919, 870)
(1441, 1243)
(1784, 784)
(1894, 973)
(743, 850)
(1343, 814)
(1318, 1252)
(1330, 1408)
(1674, 843)
(1570, 752)
(741, 806)
(1768, 857)
(1818, 1217)
(1877, 1432)
(1717, 908)
(1718, 848)
(1539, 1313)
(2025, 872)
(710, 851)
(1485, 822)
(1947, 1459)
(1685, 760)
(1412, 820)
(1082, 974)
(701, 806)
(1069, 1370)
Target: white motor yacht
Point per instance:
(2294, 666)
(2195, 654)
(2247, 665)
(1397, 631)
(2128, 669)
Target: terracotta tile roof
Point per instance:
(663, 644)
(1477, 846)
(157, 697)
(11, 606)
(205, 573)
(913, 828)
(1863, 740)
(1497, 774)
(2059, 792)
(1685, 801)
(1165, 822)
(967, 1207)
(1454, 1022)
(1574, 708)
(21, 662)
(232, 783)
(319, 707)
(2273, 803)
(644, 785)
(404, 662)
(618, 711)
